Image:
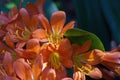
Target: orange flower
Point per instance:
(85, 59)
(57, 56)
(53, 74)
(31, 50)
(54, 30)
(111, 60)
(5, 22)
(26, 71)
(25, 25)
(21, 22)
(6, 69)
(20, 28)
(20, 69)
(7, 63)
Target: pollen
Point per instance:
(54, 60)
(54, 38)
(80, 64)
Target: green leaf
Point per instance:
(79, 36)
(96, 17)
(10, 5)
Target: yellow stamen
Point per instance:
(54, 38)
(54, 60)
(25, 34)
(80, 64)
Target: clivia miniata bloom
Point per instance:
(35, 48)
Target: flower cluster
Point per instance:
(35, 48)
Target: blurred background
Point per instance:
(101, 17)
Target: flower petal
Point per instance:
(92, 57)
(12, 12)
(45, 51)
(117, 49)
(86, 46)
(7, 63)
(61, 73)
(67, 79)
(20, 44)
(112, 66)
(22, 69)
(33, 45)
(34, 22)
(70, 25)
(25, 16)
(29, 54)
(45, 23)
(67, 63)
(2, 33)
(112, 57)
(48, 74)
(8, 41)
(107, 74)
(3, 20)
(57, 21)
(95, 73)
(51, 74)
(40, 5)
(65, 49)
(37, 67)
(40, 34)
(77, 49)
(78, 75)
(9, 78)
(32, 9)
(2, 46)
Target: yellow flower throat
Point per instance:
(54, 60)
(81, 65)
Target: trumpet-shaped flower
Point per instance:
(28, 71)
(24, 25)
(6, 20)
(6, 69)
(21, 22)
(31, 50)
(85, 60)
(7, 63)
(111, 60)
(34, 48)
(20, 28)
(55, 54)
(54, 30)
(53, 74)
(57, 57)
(20, 69)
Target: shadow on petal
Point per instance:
(95, 73)
(8, 64)
(22, 69)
